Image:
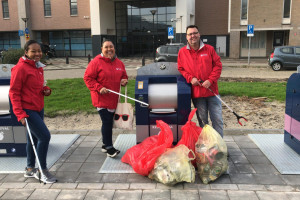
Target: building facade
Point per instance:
(276, 23)
(63, 23)
(212, 20)
(78, 27)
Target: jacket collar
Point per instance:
(201, 46)
(32, 62)
(107, 59)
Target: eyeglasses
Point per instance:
(190, 34)
(124, 117)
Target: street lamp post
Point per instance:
(153, 13)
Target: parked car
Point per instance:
(168, 52)
(284, 57)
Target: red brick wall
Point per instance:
(211, 16)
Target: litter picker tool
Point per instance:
(237, 116)
(141, 102)
(34, 150)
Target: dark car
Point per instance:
(168, 52)
(284, 57)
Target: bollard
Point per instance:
(67, 59)
(89, 58)
(143, 60)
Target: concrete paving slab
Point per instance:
(72, 194)
(185, 194)
(13, 194)
(47, 194)
(128, 194)
(156, 194)
(245, 195)
(100, 194)
(213, 194)
(88, 177)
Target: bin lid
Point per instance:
(159, 68)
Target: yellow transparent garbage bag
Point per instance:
(211, 155)
(174, 166)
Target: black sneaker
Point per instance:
(29, 172)
(104, 150)
(112, 152)
(46, 177)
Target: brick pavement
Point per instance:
(250, 176)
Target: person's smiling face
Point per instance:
(34, 52)
(108, 49)
(193, 36)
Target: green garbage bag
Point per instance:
(174, 166)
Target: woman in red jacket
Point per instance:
(27, 91)
(104, 72)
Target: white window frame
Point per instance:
(286, 20)
(244, 21)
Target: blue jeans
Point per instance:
(41, 137)
(213, 106)
(107, 125)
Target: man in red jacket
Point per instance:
(201, 66)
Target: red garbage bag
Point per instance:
(190, 135)
(142, 156)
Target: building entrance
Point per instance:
(141, 26)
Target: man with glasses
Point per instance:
(201, 66)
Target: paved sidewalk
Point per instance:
(250, 176)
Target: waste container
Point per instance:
(12, 132)
(169, 97)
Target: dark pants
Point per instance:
(41, 137)
(107, 125)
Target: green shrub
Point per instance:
(12, 56)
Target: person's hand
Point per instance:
(23, 122)
(195, 81)
(47, 92)
(103, 90)
(124, 82)
(206, 84)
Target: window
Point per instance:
(5, 9)
(286, 18)
(47, 8)
(298, 50)
(287, 50)
(173, 50)
(244, 12)
(73, 7)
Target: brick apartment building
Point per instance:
(276, 23)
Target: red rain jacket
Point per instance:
(203, 64)
(26, 87)
(104, 72)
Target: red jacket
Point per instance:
(202, 64)
(103, 72)
(26, 87)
